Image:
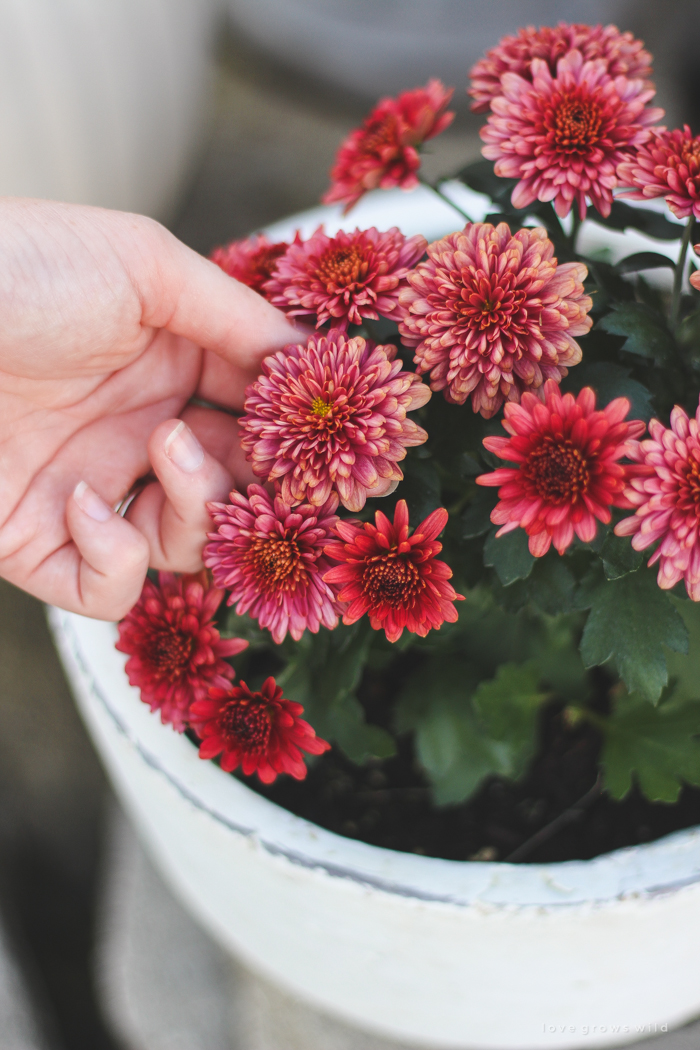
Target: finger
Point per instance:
(172, 514)
(220, 434)
(192, 297)
(224, 383)
(111, 556)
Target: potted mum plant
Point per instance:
(466, 584)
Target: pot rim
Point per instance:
(658, 868)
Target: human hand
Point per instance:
(110, 326)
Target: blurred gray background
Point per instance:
(216, 118)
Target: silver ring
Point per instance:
(123, 504)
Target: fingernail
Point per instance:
(90, 503)
(182, 447)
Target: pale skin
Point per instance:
(109, 327)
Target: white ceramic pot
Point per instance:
(103, 101)
(374, 49)
(434, 953)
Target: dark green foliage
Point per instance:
(658, 747)
(609, 381)
(466, 730)
(420, 487)
(550, 587)
(645, 332)
(323, 675)
(644, 261)
(476, 519)
(653, 223)
(619, 557)
(630, 622)
(509, 556)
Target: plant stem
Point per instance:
(435, 187)
(569, 816)
(678, 276)
(575, 227)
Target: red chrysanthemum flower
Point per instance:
(623, 55)
(260, 732)
(393, 576)
(346, 277)
(269, 555)
(251, 261)
(331, 416)
(384, 151)
(666, 166)
(664, 487)
(491, 314)
(175, 651)
(563, 137)
(566, 472)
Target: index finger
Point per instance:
(191, 296)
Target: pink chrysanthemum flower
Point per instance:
(623, 55)
(346, 277)
(251, 261)
(393, 576)
(175, 651)
(491, 314)
(695, 276)
(384, 151)
(666, 166)
(269, 555)
(563, 137)
(664, 487)
(566, 473)
(331, 416)
(260, 732)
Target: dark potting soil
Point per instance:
(557, 812)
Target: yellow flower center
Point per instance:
(320, 408)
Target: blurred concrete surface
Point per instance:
(22, 1025)
(51, 794)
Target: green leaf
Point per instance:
(656, 746)
(646, 332)
(436, 705)
(653, 223)
(420, 488)
(234, 626)
(507, 706)
(609, 381)
(323, 674)
(358, 739)
(619, 557)
(509, 555)
(684, 670)
(689, 333)
(480, 177)
(644, 261)
(630, 622)
(458, 746)
(551, 585)
(476, 519)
